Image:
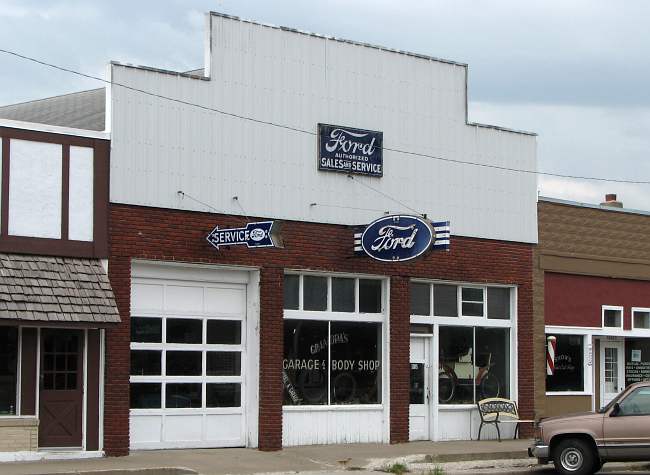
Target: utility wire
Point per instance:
(309, 132)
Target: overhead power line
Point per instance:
(309, 132)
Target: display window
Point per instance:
(449, 300)
(474, 364)
(637, 360)
(333, 357)
(8, 370)
(569, 365)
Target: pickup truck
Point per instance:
(579, 444)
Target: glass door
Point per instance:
(611, 370)
(420, 388)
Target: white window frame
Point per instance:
(483, 288)
(640, 310)
(330, 316)
(615, 308)
(587, 361)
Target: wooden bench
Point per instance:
(496, 410)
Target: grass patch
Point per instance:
(396, 468)
(436, 471)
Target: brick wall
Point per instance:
(172, 235)
(19, 434)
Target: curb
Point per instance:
(447, 458)
(131, 471)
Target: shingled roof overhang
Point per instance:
(64, 290)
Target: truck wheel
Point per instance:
(574, 457)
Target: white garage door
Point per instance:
(188, 341)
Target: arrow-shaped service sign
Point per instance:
(253, 235)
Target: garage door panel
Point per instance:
(225, 301)
(184, 299)
(146, 428)
(224, 427)
(184, 428)
(146, 297)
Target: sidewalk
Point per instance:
(293, 459)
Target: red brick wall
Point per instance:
(170, 235)
(577, 300)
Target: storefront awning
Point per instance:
(55, 289)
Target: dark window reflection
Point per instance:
(569, 364)
(492, 363)
(342, 294)
(355, 363)
(498, 303)
(369, 296)
(184, 363)
(420, 299)
(223, 394)
(417, 392)
(223, 363)
(456, 372)
(145, 362)
(146, 330)
(291, 290)
(314, 293)
(8, 369)
(179, 395)
(304, 365)
(224, 332)
(145, 395)
(184, 330)
(445, 300)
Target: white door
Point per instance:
(420, 388)
(188, 360)
(612, 367)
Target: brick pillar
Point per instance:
(399, 359)
(116, 381)
(526, 339)
(271, 351)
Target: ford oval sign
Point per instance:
(397, 238)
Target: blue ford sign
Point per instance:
(350, 150)
(397, 238)
(256, 234)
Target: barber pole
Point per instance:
(551, 346)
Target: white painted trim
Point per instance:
(641, 310)
(251, 396)
(102, 359)
(620, 347)
(54, 129)
(334, 407)
(333, 316)
(189, 271)
(386, 402)
(19, 374)
(615, 308)
(26, 456)
(473, 322)
(595, 331)
(84, 389)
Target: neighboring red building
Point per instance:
(593, 271)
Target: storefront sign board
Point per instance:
(350, 150)
(401, 238)
(256, 234)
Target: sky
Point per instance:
(575, 72)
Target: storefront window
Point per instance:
(568, 373)
(474, 364)
(8, 369)
(328, 361)
(637, 360)
(420, 299)
(498, 303)
(445, 300)
(472, 302)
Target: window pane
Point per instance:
(291, 289)
(569, 364)
(613, 318)
(420, 299)
(183, 363)
(146, 330)
(223, 363)
(369, 296)
(641, 319)
(417, 383)
(472, 309)
(342, 294)
(184, 330)
(145, 362)
(314, 293)
(456, 372)
(445, 300)
(498, 303)
(223, 395)
(472, 294)
(304, 374)
(636, 404)
(224, 332)
(145, 395)
(492, 363)
(356, 363)
(637, 360)
(182, 395)
(8, 369)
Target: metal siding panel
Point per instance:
(160, 147)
